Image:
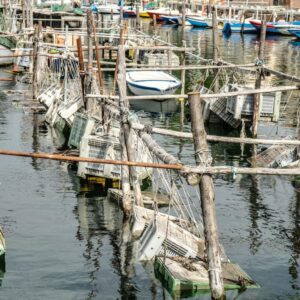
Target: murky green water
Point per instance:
(64, 240)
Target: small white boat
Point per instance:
(109, 9)
(144, 83)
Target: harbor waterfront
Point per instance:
(65, 239)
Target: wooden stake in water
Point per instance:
(127, 144)
(207, 199)
(257, 97)
(215, 47)
(34, 61)
(183, 56)
(88, 79)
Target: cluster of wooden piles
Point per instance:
(114, 145)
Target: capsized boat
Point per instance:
(143, 83)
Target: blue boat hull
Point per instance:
(237, 28)
(197, 23)
(295, 32)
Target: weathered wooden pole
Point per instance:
(215, 35)
(169, 52)
(35, 47)
(101, 83)
(257, 97)
(138, 18)
(183, 57)
(215, 47)
(183, 19)
(154, 23)
(126, 201)
(24, 15)
(243, 23)
(207, 199)
(81, 67)
(89, 76)
(127, 147)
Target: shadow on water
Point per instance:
(2, 268)
(294, 239)
(100, 218)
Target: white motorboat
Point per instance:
(144, 83)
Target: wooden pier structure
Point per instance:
(67, 82)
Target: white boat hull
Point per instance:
(151, 83)
(5, 52)
(139, 91)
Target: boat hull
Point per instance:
(197, 22)
(295, 32)
(5, 60)
(146, 91)
(151, 83)
(239, 27)
(281, 28)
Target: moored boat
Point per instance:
(295, 32)
(198, 22)
(129, 11)
(280, 27)
(238, 27)
(170, 19)
(143, 83)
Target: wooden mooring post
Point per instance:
(207, 199)
(88, 79)
(215, 47)
(257, 101)
(34, 60)
(257, 97)
(126, 141)
(183, 58)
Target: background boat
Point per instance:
(151, 83)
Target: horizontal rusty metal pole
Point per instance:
(61, 157)
(180, 167)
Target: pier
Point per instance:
(80, 74)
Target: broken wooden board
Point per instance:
(189, 277)
(161, 200)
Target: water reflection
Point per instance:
(294, 237)
(100, 218)
(2, 268)
(255, 208)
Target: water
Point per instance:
(64, 239)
